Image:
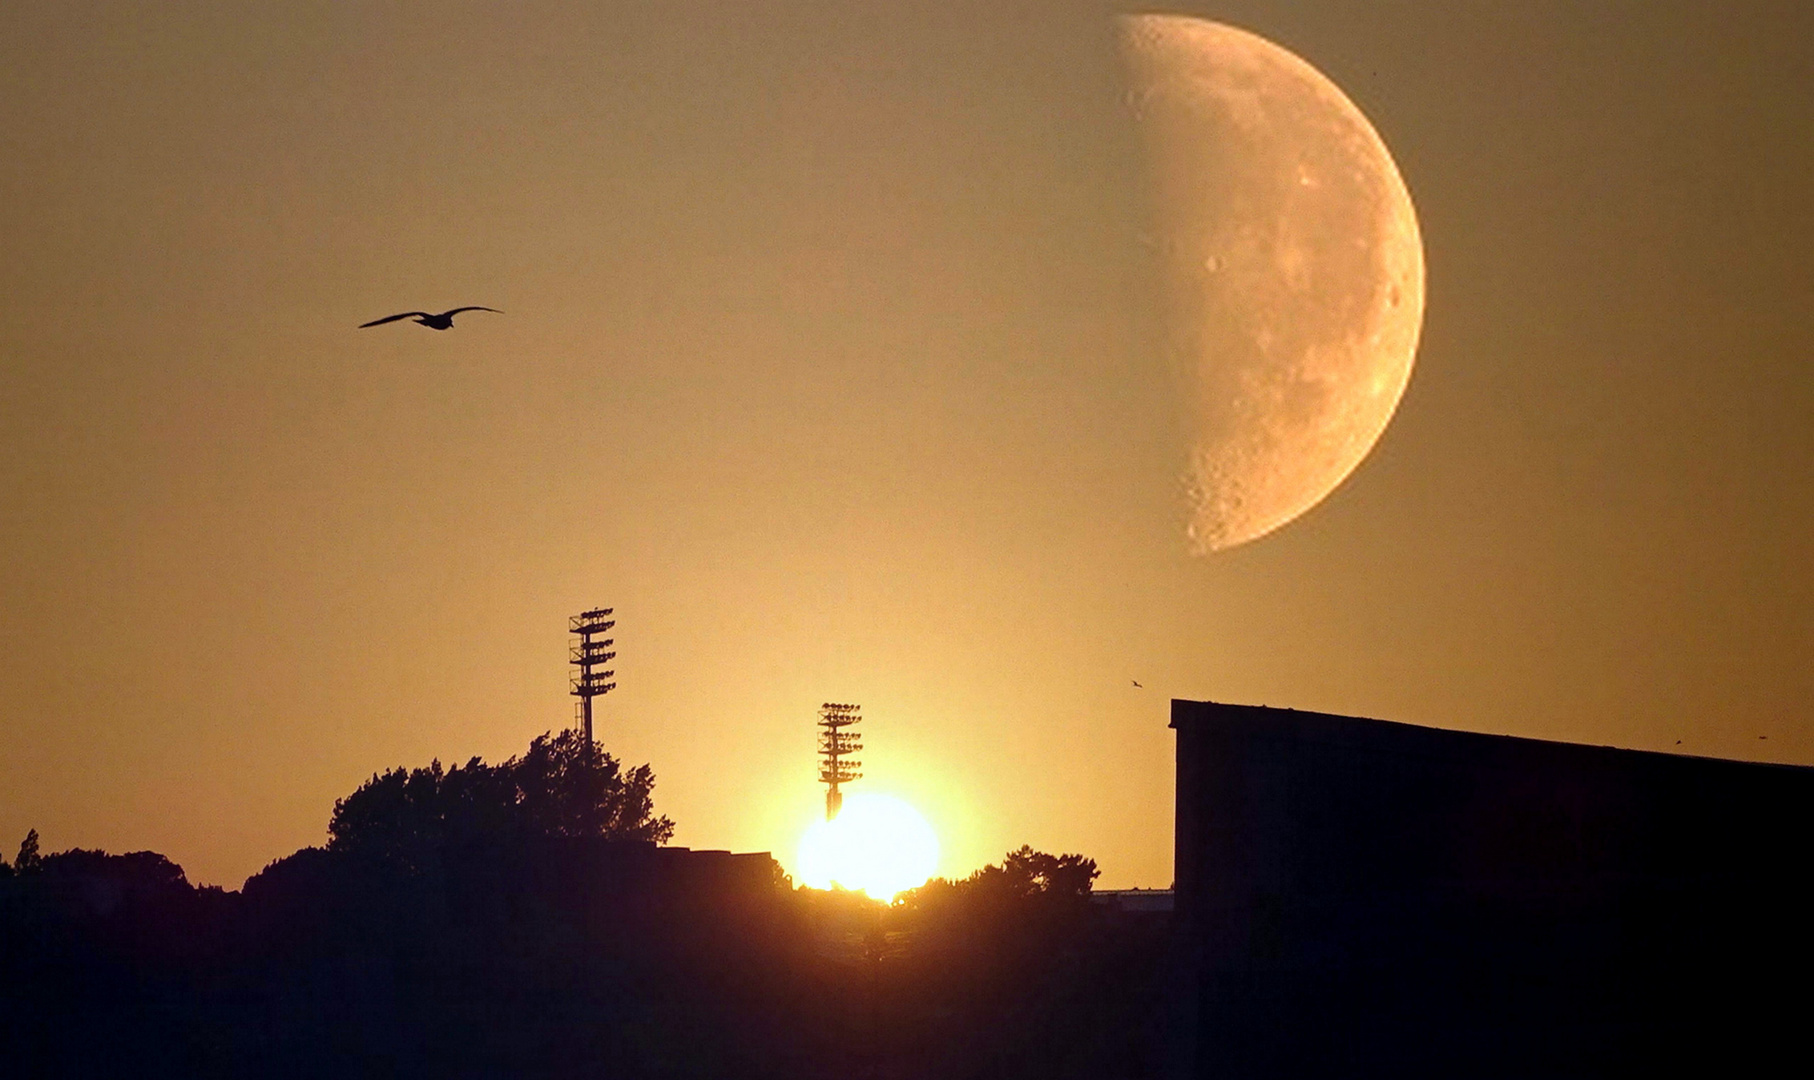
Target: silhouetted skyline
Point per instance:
(832, 362)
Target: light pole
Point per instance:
(588, 655)
(834, 744)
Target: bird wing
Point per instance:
(393, 318)
(473, 307)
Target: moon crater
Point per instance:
(1293, 265)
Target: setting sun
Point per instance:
(877, 844)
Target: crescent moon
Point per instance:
(1293, 266)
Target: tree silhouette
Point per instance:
(1036, 873)
(29, 860)
(560, 787)
(1021, 875)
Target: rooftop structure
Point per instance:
(1364, 898)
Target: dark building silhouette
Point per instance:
(1362, 898)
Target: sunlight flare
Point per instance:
(878, 845)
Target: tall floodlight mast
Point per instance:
(835, 744)
(589, 654)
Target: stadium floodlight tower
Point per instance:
(589, 654)
(835, 745)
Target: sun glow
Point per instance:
(877, 845)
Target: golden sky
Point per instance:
(828, 360)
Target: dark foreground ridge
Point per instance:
(520, 920)
(1354, 898)
(1362, 898)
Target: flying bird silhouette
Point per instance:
(1136, 683)
(443, 321)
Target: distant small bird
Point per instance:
(443, 321)
(1136, 683)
